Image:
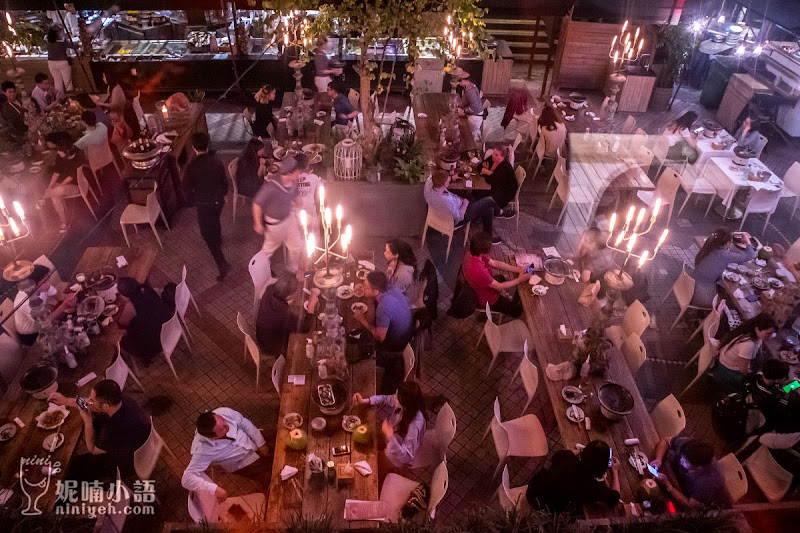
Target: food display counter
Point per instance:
(782, 59)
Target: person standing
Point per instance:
(264, 115)
(344, 110)
(272, 212)
(206, 183)
(58, 61)
(471, 105)
(71, 20)
(322, 67)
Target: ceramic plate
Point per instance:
(318, 424)
(345, 292)
(321, 113)
(761, 262)
(53, 441)
(575, 414)
(7, 431)
(360, 307)
(572, 394)
(53, 417)
(539, 290)
(760, 283)
(786, 355)
(775, 283)
(642, 458)
(292, 420)
(362, 274)
(731, 276)
(35, 169)
(350, 423)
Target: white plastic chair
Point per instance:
(735, 478)
(666, 188)
(562, 192)
(692, 182)
(760, 144)
(512, 499)
(705, 356)
(634, 352)
(232, 167)
(635, 320)
(436, 441)
(146, 457)
(762, 201)
(683, 289)
(668, 417)
(277, 373)
(84, 190)
(144, 214)
(396, 490)
(710, 325)
(171, 333)
(261, 275)
(540, 157)
(520, 174)
(520, 437)
(530, 376)
(408, 360)
(628, 125)
(443, 222)
(182, 298)
(507, 337)
(791, 185)
(770, 477)
(99, 157)
(250, 345)
(561, 163)
(643, 155)
(113, 521)
(118, 371)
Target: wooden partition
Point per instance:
(582, 61)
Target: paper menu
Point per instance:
(551, 251)
(528, 259)
(364, 510)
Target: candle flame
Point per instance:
(612, 222)
(613, 41)
(14, 227)
(656, 207)
(619, 238)
(328, 216)
(631, 242)
(321, 195)
(643, 259)
(310, 244)
(2, 203)
(303, 219)
(623, 27)
(18, 209)
(449, 19)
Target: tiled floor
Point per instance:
(215, 372)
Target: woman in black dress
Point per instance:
(263, 112)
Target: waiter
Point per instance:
(207, 184)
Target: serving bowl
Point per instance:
(616, 402)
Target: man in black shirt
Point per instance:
(114, 427)
(206, 184)
(576, 479)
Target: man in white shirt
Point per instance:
(37, 284)
(307, 185)
(226, 438)
(71, 20)
(462, 210)
(45, 95)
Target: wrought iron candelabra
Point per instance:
(329, 276)
(631, 231)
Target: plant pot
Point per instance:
(659, 99)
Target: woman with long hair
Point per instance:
(265, 98)
(500, 176)
(401, 267)
(251, 168)
(739, 348)
(142, 319)
(679, 130)
(403, 421)
(552, 131)
(717, 252)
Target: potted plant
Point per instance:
(592, 344)
(410, 161)
(672, 51)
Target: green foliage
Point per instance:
(410, 161)
(29, 35)
(675, 43)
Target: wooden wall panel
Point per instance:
(584, 62)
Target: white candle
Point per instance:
(458, 51)
(449, 19)
(321, 197)
(643, 259)
(18, 209)
(310, 245)
(639, 219)
(14, 227)
(286, 39)
(631, 242)
(2, 204)
(631, 212)
(304, 221)
(444, 31)
(661, 240)
(612, 222)
(623, 27)
(328, 218)
(619, 238)
(656, 208)
(2, 235)
(164, 111)
(613, 42)
(339, 217)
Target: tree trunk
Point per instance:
(370, 145)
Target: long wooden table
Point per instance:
(16, 403)
(309, 498)
(544, 315)
(437, 106)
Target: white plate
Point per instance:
(52, 408)
(575, 414)
(359, 307)
(730, 276)
(7, 431)
(345, 292)
(318, 424)
(53, 441)
(775, 283)
(321, 113)
(362, 274)
(788, 356)
(292, 420)
(539, 290)
(761, 262)
(35, 169)
(579, 395)
(642, 460)
(350, 423)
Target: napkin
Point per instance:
(366, 264)
(534, 280)
(86, 379)
(288, 472)
(363, 468)
(314, 462)
(738, 293)
(563, 329)
(76, 288)
(468, 183)
(318, 122)
(163, 139)
(560, 372)
(551, 251)
(297, 379)
(19, 422)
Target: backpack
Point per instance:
(729, 417)
(464, 299)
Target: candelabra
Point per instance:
(330, 276)
(10, 233)
(624, 48)
(625, 243)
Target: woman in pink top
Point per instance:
(552, 132)
(477, 269)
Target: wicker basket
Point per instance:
(347, 160)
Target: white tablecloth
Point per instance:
(706, 151)
(728, 178)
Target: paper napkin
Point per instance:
(86, 379)
(318, 122)
(738, 293)
(551, 251)
(121, 261)
(534, 280)
(363, 468)
(288, 472)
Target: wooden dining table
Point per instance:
(435, 107)
(544, 315)
(303, 495)
(18, 404)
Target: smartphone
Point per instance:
(610, 456)
(344, 449)
(653, 470)
(82, 403)
(794, 385)
(751, 297)
(698, 131)
(530, 269)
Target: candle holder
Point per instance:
(328, 264)
(624, 48)
(11, 232)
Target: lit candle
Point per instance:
(613, 41)
(636, 35)
(639, 219)
(470, 36)
(612, 222)
(339, 217)
(619, 238)
(656, 208)
(458, 51)
(164, 111)
(758, 50)
(631, 212)
(721, 19)
(444, 31)
(286, 39)
(304, 222)
(14, 227)
(630, 54)
(18, 209)
(628, 37)
(328, 218)
(2, 235)
(310, 245)
(348, 237)
(661, 240)
(449, 19)
(641, 44)
(616, 57)
(2, 204)
(643, 259)
(740, 51)
(631, 242)
(623, 27)
(321, 198)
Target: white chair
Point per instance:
(643, 156)
(540, 157)
(182, 298)
(10, 326)
(396, 490)
(692, 182)
(204, 508)
(562, 192)
(791, 185)
(250, 345)
(436, 441)
(144, 214)
(530, 376)
(561, 163)
(735, 478)
(710, 325)
(762, 201)
(442, 221)
(261, 274)
(171, 333)
(667, 186)
(628, 125)
(635, 320)
(109, 521)
(760, 144)
(507, 337)
(146, 457)
(668, 417)
(277, 373)
(521, 175)
(83, 192)
(770, 477)
(683, 289)
(232, 167)
(512, 157)
(705, 356)
(512, 499)
(520, 437)
(99, 157)
(634, 352)
(118, 371)
(408, 360)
